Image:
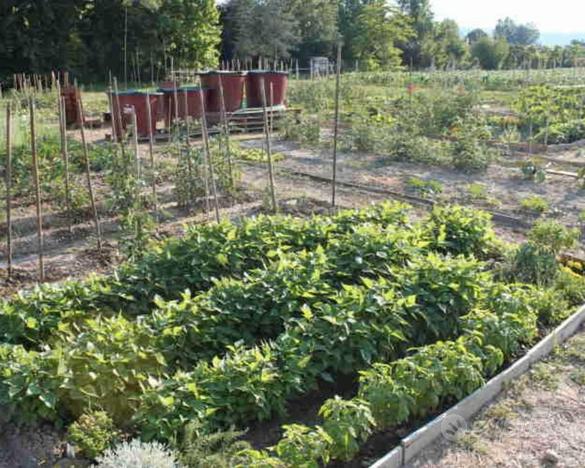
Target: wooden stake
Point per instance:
(208, 157)
(226, 131)
(9, 188)
(188, 143)
(135, 141)
(175, 93)
(36, 180)
(151, 152)
(112, 115)
(268, 148)
(336, 123)
(65, 156)
(119, 125)
(271, 109)
(96, 219)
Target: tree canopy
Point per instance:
(93, 38)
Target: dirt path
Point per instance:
(539, 421)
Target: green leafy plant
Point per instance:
(92, 433)
(219, 449)
(534, 171)
(348, 423)
(469, 151)
(534, 204)
(426, 188)
(461, 230)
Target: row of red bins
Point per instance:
(187, 99)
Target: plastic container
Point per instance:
(194, 109)
(71, 97)
(233, 90)
(279, 81)
(137, 100)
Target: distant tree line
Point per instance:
(138, 38)
(92, 38)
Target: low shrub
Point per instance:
(136, 454)
(462, 231)
(92, 433)
(534, 204)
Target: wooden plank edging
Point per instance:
(412, 445)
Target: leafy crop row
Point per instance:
(193, 263)
(391, 393)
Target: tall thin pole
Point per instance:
(96, 219)
(271, 109)
(175, 92)
(65, 156)
(9, 188)
(126, 47)
(35, 164)
(336, 128)
(135, 143)
(268, 148)
(151, 152)
(226, 131)
(119, 126)
(188, 144)
(208, 157)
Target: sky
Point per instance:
(559, 21)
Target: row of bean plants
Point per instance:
(226, 326)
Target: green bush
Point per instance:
(534, 204)
(469, 151)
(462, 231)
(219, 449)
(348, 423)
(92, 433)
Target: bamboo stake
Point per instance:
(96, 219)
(35, 164)
(119, 125)
(175, 92)
(65, 156)
(271, 109)
(135, 143)
(112, 116)
(208, 157)
(268, 148)
(151, 152)
(226, 130)
(188, 143)
(9, 188)
(336, 128)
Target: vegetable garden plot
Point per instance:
(419, 309)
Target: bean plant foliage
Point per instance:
(202, 336)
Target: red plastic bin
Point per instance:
(137, 100)
(194, 109)
(233, 90)
(279, 81)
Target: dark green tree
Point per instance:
(516, 34)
